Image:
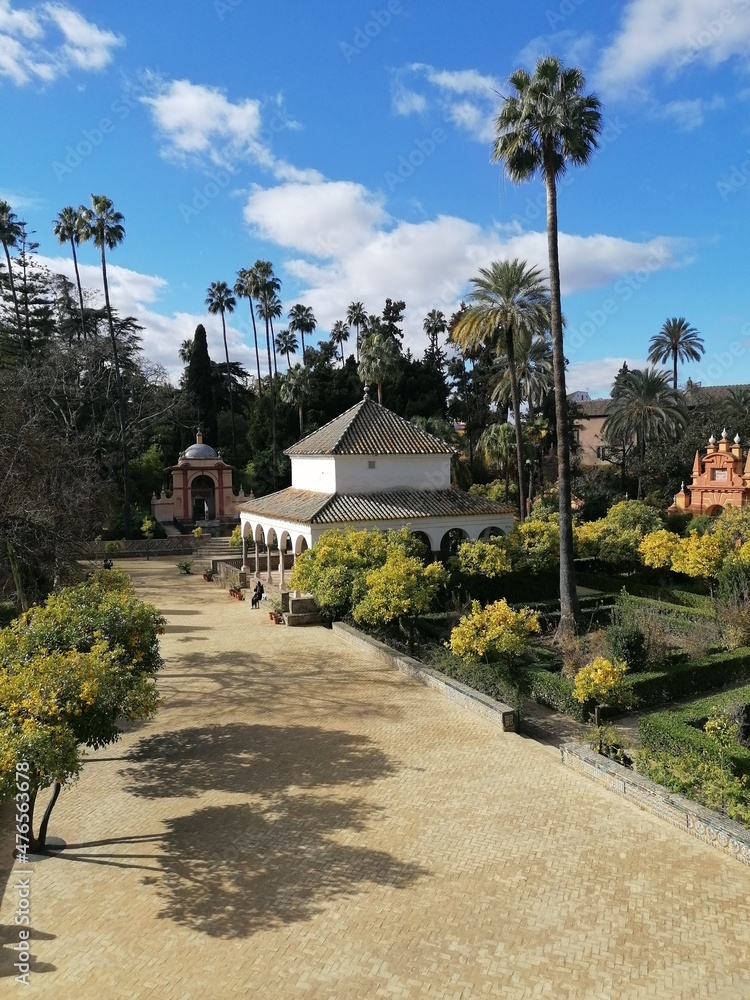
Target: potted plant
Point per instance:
(236, 591)
(275, 613)
(208, 574)
(185, 566)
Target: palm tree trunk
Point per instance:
(78, 285)
(568, 595)
(273, 344)
(255, 338)
(514, 394)
(674, 371)
(273, 405)
(302, 341)
(15, 302)
(120, 400)
(231, 396)
(380, 392)
(300, 418)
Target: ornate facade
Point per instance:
(720, 479)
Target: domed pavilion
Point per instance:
(202, 492)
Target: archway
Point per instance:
(715, 510)
(203, 498)
(451, 540)
(491, 532)
(272, 542)
(426, 541)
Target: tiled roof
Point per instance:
(593, 407)
(307, 507)
(370, 429)
(695, 395)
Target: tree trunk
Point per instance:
(78, 285)
(42, 838)
(120, 400)
(674, 371)
(15, 302)
(255, 338)
(273, 344)
(302, 341)
(510, 351)
(568, 596)
(300, 418)
(273, 406)
(380, 392)
(231, 396)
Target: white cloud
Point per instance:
(596, 377)
(200, 125)
(691, 114)
(467, 98)
(572, 48)
(29, 49)
(344, 246)
(668, 35)
(136, 294)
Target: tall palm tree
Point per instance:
(533, 357)
(243, 289)
(10, 232)
(265, 292)
(339, 336)
(102, 224)
(497, 445)
(356, 316)
(546, 123)
(296, 388)
(286, 343)
(677, 340)
(302, 321)
(378, 360)
(221, 300)
(735, 407)
(433, 325)
(644, 408)
(185, 351)
(509, 300)
(68, 228)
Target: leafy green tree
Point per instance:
(533, 365)
(339, 336)
(378, 360)
(495, 632)
(286, 343)
(70, 671)
(199, 384)
(10, 231)
(102, 224)
(402, 589)
(392, 318)
(486, 558)
(676, 341)
(244, 288)
(302, 321)
(69, 228)
(295, 389)
(220, 299)
(508, 299)
(645, 408)
(545, 123)
(356, 316)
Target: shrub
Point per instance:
(627, 643)
(678, 680)
(701, 778)
(185, 566)
(483, 558)
(601, 681)
(492, 679)
(494, 632)
(555, 692)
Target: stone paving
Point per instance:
(299, 822)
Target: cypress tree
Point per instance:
(198, 385)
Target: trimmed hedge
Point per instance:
(680, 732)
(491, 679)
(636, 587)
(681, 678)
(556, 692)
(696, 613)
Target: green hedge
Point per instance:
(680, 732)
(556, 692)
(669, 595)
(681, 678)
(491, 679)
(696, 613)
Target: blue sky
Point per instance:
(349, 143)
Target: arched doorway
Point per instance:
(715, 510)
(203, 498)
(451, 540)
(492, 532)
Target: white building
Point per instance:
(369, 469)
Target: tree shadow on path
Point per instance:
(254, 759)
(231, 871)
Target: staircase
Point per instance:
(217, 548)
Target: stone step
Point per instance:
(302, 606)
(312, 618)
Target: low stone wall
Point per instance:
(502, 715)
(138, 548)
(709, 827)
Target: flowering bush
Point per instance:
(494, 632)
(658, 548)
(600, 681)
(483, 558)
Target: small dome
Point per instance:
(200, 451)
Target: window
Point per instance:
(577, 435)
(371, 464)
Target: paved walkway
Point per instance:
(301, 822)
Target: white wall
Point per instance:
(317, 474)
(392, 472)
